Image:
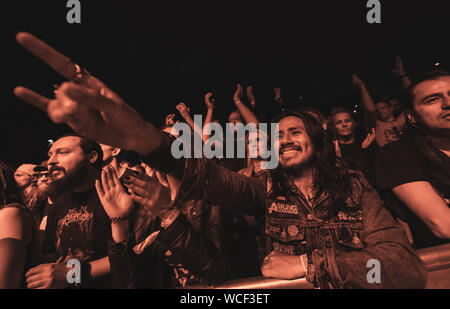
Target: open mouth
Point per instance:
(289, 152)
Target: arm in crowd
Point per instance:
(277, 96)
(399, 71)
(427, 204)
(413, 189)
(368, 104)
(246, 113)
(251, 97)
(185, 113)
(12, 247)
(209, 101)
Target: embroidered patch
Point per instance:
(283, 208)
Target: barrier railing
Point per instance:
(436, 259)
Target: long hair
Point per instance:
(433, 160)
(9, 192)
(330, 174)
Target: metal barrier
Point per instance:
(436, 259)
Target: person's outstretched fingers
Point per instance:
(32, 97)
(62, 64)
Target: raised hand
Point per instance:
(87, 105)
(398, 67)
(356, 81)
(116, 202)
(277, 93)
(169, 120)
(369, 139)
(209, 100)
(238, 94)
(182, 108)
(250, 95)
(148, 192)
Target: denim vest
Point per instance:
(294, 227)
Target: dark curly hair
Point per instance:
(9, 192)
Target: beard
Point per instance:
(71, 179)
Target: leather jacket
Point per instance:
(192, 250)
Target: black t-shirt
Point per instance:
(398, 163)
(359, 159)
(77, 228)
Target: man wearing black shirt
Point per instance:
(414, 172)
(77, 226)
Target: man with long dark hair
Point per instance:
(414, 172)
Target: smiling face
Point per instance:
(295, 146)
(343, 124)
(431, 103)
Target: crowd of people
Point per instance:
(113, 197)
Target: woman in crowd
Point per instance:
(355, 152)
(18, 237)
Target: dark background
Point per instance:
(155, 54)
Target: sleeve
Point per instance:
(121, 270)
(203, 253)
(223, 187)
(386, 244)
(395, 165)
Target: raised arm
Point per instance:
(368, 104)
(87, 105)
(209, 101)
(399, 71)
(185, 113)
(251, 96)
(246, 113)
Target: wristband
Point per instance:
(85, 273)
(117, 219)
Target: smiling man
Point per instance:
(414, 173)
